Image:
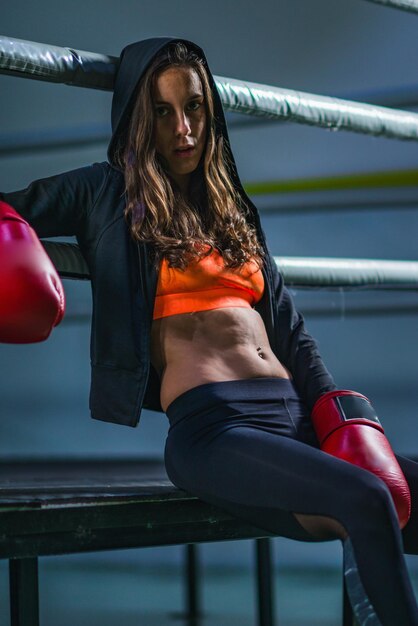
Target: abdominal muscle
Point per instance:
(191, 349)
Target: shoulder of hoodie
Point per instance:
(94, 177)
(103, 173)
(100, 187)
(107, 182)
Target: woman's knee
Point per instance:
(370, 497)
(321, 527)
(365, 500)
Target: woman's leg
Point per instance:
(323, 527)
(232, 455)
(360, 602)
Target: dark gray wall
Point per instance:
(326, 47)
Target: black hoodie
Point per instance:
(89, 203)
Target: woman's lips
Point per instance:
(184, 153)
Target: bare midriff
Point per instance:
(191, 349)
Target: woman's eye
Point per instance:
(161, 111)
(193, 106)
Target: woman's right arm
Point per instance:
(57, 205)
(32, 297)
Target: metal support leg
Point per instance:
(264, 582)
(192, 585)
(192, 615)
(24, 595)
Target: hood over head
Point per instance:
(133, 62)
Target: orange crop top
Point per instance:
(206, 284)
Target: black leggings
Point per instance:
(248, 447)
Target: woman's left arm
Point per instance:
(345, 422)
(297, 349)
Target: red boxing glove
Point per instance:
(32, 297)
(347, 427)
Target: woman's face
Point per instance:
(180, 121)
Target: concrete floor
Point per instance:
(88, 592)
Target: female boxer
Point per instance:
(191, 317)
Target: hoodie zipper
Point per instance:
(141, 268)
(143, 272)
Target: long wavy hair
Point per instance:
(213, 212)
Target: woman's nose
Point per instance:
(182, 124)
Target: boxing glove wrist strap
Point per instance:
(335, 409)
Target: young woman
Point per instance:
(191, 317)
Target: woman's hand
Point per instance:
(347, 427)
(32, 297)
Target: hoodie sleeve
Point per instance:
(58, 205)
(297, 349)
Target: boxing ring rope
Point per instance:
(29, 59)
(297, 271)
(80, 135)
(405, 5)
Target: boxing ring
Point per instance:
(64, 507)
(405, 5)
